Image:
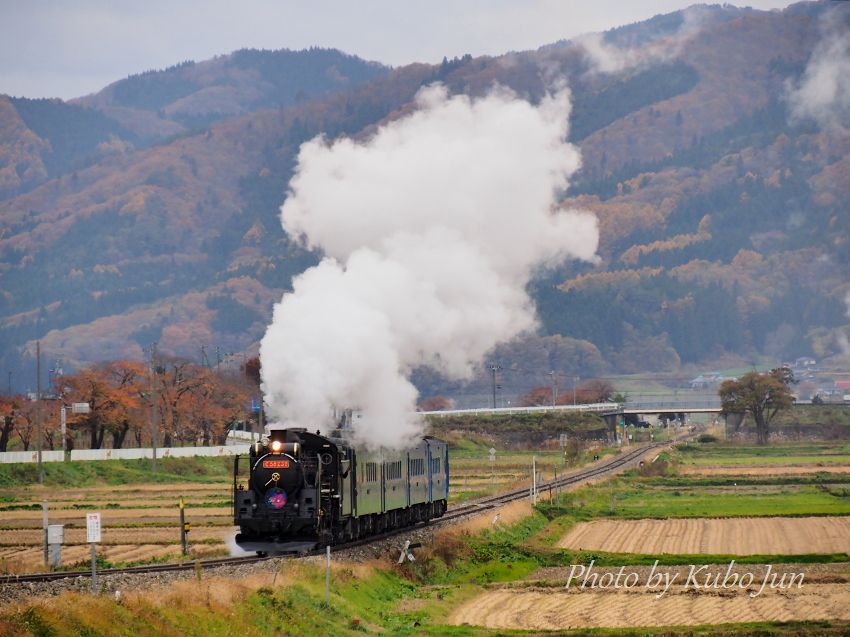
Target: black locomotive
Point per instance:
(306, 490)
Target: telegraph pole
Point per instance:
(261, 424)
(494, 368)
(153, 394)
(38, 424)
(554, 388)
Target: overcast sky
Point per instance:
(68, 48)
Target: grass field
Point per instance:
(116, 472)
(788, 454)
(649, 499)
(485, 579)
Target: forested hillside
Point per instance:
(190, 95)
(149, 211)
(45, 138)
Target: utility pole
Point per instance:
(184, 527)
(63, 428)
(494, 368)
(575, 384)
(38, 434)
(261, 425)
(154, 401)
(533, 480)
(554, 387)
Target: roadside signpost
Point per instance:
(93, 538)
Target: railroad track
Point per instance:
(618, 462)
(610, 466)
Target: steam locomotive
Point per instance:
(305, 490)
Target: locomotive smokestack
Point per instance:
(430, 231)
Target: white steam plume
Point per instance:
(431, 231)
(604, 57)
(823, 92)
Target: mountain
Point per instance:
(47, 138)
(153, 215)
(192, 95)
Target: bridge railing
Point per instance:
(672, 405)
(597, 407)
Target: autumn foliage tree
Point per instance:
(8, 406)
(537, 397)
(193, 403)
(111, 391)
(760, 395)
(594, 390)
(252, 369)
(435, 403)
(24, 422)
(128, 379)
(215, 401)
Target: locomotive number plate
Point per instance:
(275, 464)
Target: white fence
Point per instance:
(123, 454)
(524, 410)
(30, 456)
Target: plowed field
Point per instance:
(140, 523)
(546, 609)
(720, 536)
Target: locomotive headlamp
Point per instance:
(276, 446)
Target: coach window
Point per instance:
(371, 472)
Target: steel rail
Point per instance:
(484, 504)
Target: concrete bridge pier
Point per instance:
(611, 421)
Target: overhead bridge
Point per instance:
(672, 410)
(612, 413)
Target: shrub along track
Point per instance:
(604, 468)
